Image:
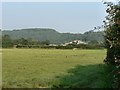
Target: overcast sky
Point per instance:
(76, 17)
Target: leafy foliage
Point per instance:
(112, 39)
(6, 41)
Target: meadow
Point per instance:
(54, 68)
(0, 68)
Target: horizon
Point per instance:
(98, 30)
(72, 17)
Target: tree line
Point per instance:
(7, 42)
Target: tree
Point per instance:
(46, 42)
(23, 41)
(112, 39)
(6, 41)
(93, 42)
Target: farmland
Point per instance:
(46, 68)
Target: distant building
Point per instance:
(78, 42)
(74, 42)
(53, 45)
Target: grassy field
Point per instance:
(38, 68)
(0, 68)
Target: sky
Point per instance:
(74, 17)
(57, 0)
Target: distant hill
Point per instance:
(53, 36)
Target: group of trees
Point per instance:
(112, 39)
(7, 42)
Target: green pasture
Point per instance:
(48, 68)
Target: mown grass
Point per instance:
(38, 68)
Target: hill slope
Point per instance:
(52, 35)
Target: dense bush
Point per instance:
(112, 39)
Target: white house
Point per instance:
(74, 42)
